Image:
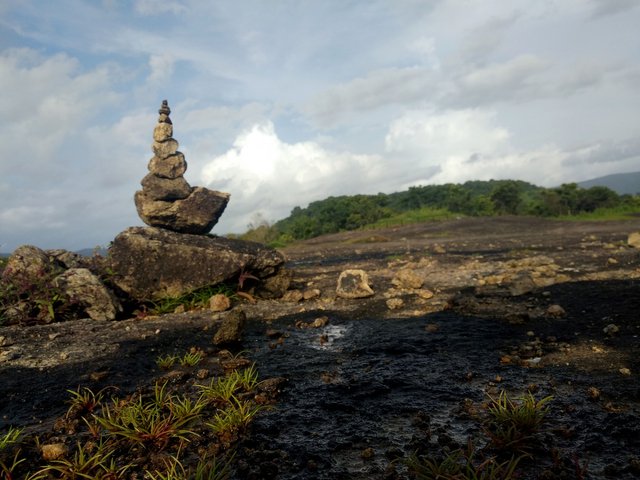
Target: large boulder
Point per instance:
(153, 263)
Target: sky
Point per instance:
(281, 103)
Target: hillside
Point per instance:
(621, 183)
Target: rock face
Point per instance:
(87, 290)
(166, 199)
(155, 263)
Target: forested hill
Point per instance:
(420, 203)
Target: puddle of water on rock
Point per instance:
(326, 340)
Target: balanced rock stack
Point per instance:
(166, 199)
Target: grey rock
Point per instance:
(354, 284)
(172, 166)
(274, 286)
(159, 188)
(196, 214)
(522, 283)
(82, 286)
(165, 149)
(231, 328)
(29, 264)
(153, 263)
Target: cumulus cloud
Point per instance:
(266, 175)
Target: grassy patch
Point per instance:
(625, 212)
(197, 299)
(425, 214)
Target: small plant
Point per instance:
(85, 463)
(191, 359)
(512, 423)
(8, 463)
(247, 379)
(462, 465)
(165, 362)
(220, 390)
(10, 438)
(205, 470)
(235, 417)
(83, 401)
(154, 422)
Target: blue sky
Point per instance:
(283, 102)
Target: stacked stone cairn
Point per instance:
(166, 199)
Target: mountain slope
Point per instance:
(621, 183)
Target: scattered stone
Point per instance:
(522, 283)
(293, 296)
(311, 293)
(179, 309)
(439, 249)
(395, 303)
(202, 373)
(612, 261)
(166, 199)
(625, 371)
(424, 293)
(556, 311)
(83, 287)
(354, 284)
(53, 451)
(320, 322)
(219, 303)
(611, 329)
(432, 327)
(152, 263)
(633, 240)
(274, 286)
(593, 393)
(408, 278)
(230, 329)
(367, 453)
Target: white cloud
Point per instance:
(265, 174)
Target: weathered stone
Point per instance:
(173, 166)
(196, 214)
(68, 259)
(219, 303)
(152, 263)
(275, 286)
(395, 303)
(292, 296)
(408, 278)
(28, 263)
(167, 189)
(53, 451)
(634, 239)
(230, 329)
(82, 286)
(522, 283)
(556, 311)
(354, 284)
(162, 132)
(165, 149)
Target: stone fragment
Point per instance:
(230, 329)
(196, 214)
(354, 284)
(152, 263)
(625, 371)
(522, 283)
(310, 293)
(556, 311)
(83, 287)
(292, 296)
(408, 278)
(395, 303)
(219, 303)
(173, 166)
(611, 329)
(168, 189)
(53, 451)
(274, 286)
(633, 240)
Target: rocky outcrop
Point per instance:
(166, 199)
(38, 285)
(154, 263)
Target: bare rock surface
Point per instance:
(393, 377)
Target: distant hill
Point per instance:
(621, 183)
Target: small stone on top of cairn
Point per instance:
(166, 199)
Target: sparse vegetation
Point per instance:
(147, 434)
(197, 299)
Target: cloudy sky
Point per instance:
(283, 102)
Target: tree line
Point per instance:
(473, 198)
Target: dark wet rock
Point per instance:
(86, 289)
(354, 284)
(152, 263)
(231, 328)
